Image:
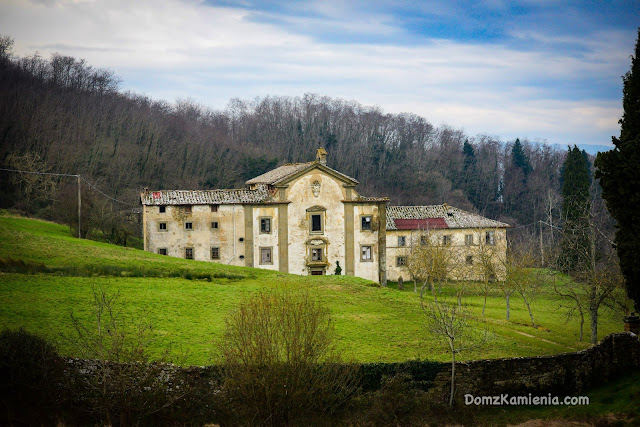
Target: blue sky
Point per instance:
(543, 70)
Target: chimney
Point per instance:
(321, 156)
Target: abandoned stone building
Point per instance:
(306, 218)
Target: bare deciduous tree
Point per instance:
(429, 260)
(454, 325)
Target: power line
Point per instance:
(105, 195)
(38, 173)
(69, 175)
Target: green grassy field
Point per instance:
(187, 301)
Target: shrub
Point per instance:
(280, 363)
(30, 371)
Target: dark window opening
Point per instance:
(366, 223)
(215, 253)
(188, 253)
(265, 225)
(316, 223)
(162, 209)
(188, 226)
(214, 225)
(214, 208)
(162, 251)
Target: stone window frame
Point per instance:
(362, 254)
(270, 252)
(468, 240)
(362, 222)
(189, 253)
(401, 261)
(162, 209)
(316, 248)
(163, 251)
(188, 225)
(269, 221)
(490, 238)
(215, 252)
(402, 240)
(166, 227)
(215, 225)
(322, 219)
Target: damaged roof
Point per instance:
(206, 197)
(284, 172)
(436, 217)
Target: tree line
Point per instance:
(75, 119)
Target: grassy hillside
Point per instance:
(47, 274)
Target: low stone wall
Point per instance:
(560, 375)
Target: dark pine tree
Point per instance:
(470, 174)
(618, 173)
(575, 210)
(519, 158)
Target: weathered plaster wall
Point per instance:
(202, 237)
(459, 251)
(265, 240)
(366, 269)
(329, 196)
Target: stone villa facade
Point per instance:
(304, 218)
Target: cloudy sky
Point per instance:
(538, 69)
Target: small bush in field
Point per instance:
(280, 363)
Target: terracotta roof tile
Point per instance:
(279, 173)
(206, 197)
(283, 172)
(454, 217)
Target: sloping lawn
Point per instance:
(48, 274)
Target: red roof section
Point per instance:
(420, 224)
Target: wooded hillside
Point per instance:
(62, 115)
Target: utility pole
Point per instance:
(79, 209)
(541, 246)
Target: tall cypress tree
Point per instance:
(575, 210)
(618, 173)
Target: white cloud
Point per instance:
(172, 48)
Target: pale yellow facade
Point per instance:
(310, 222)
(305, 218)
(473, 253)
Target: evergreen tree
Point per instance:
(519, 158)
(618, 173)
(575, 211)
(515, 191)
(470, 174)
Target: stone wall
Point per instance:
(560, 375)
